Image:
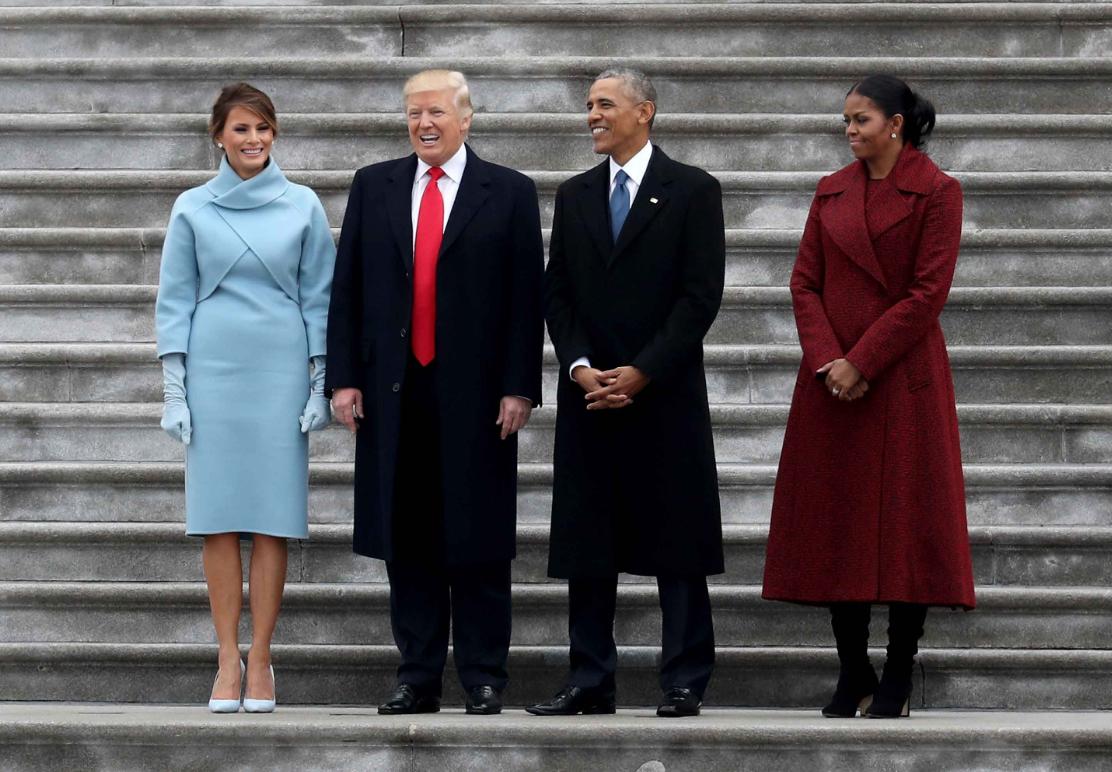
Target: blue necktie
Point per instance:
(619, 204)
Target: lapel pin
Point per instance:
(653, 201)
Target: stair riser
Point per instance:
(556, 755)
(92, 322)
(747, 624)
(359, 89)
(44, 439)
(756, 383)
(767, 684)
(81, 502)
(555, 151)
(136, 208)
(382, 36)
(1065, 266)
(314, 562)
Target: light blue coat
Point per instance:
(243, 292)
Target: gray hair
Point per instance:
(638, 83)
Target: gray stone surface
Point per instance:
(755, 257)
(1009, 494)
(37, 736)
(754, 200)
(331, 614)
(971, 84)
(745, 676)
(745, 433)
(552, 142)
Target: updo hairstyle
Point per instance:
(894, 97)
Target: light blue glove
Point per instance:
(175, 412)
(317, 413)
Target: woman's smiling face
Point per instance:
(246, 138)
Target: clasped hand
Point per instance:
(843, 380)
(610, 389)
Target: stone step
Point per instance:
(555, 84)
(550, 142)
(124, 313)
(777, 200)
(991, 434)
(991, 29)
(121, 736)
(736, 374)
(744, 676)
(1003, 555)
(339, 614)
(1008, 494)
(755, 258)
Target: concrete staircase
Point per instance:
(101, 596)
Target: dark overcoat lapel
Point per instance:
(594, 208)
(399, 181)
(651, 199)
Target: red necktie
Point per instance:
(426, 248)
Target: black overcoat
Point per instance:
(489, 344)
(636, 489)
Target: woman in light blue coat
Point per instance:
(241, 313)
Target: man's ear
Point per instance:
(648, 110)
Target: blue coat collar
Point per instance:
(230, 191)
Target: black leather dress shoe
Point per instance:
(406, 699)
(574, 699)
(679, 702)
(484, 701)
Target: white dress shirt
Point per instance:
(635, 168)
(448, 184)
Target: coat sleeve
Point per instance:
(178, 277)
(318, 258)
(679, 341)
(564, 325)
(816, 336)
(525, 336)
(345, 308)
(901, 326)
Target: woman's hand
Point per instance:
(843, 380)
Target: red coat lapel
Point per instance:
(844, 218)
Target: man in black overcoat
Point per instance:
(435, 340)
(634, 280)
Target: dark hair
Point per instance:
(894, 97)
(241, 95)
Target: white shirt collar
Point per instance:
(635, 167)
(453, 167)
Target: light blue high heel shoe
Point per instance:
(227, 706)
(261, 706)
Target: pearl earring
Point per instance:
(892, 135)
(221, 146)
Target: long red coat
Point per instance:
(870, 499)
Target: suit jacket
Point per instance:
(870, 500)
(636, 489)
(489, 344)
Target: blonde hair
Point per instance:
(437, 80)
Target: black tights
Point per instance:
(851, 633)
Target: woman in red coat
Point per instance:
(870, 502)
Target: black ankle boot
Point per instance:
(854, 692)
(893, 694)
(856, 680)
